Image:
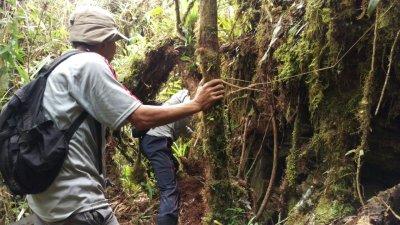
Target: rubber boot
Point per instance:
(167, 220)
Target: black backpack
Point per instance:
(32, 149)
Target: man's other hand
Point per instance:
(208, 93)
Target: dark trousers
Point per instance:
(158, 151)
(102, 216)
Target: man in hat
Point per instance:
(86, 82)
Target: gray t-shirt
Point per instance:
(82, 82)
(178, 128)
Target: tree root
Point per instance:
(274, 167)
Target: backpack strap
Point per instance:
(59, 60)
(99, 142)
(75, 125)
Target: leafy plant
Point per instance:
(189, 30)
(235, 215)
(126, 181)
(158, 23)
(149, 189)
(11, 55)
(180, 147)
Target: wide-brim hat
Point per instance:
(93, 25)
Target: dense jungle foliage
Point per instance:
(309, 129)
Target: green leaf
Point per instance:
(251, 112)
(372, 6)
(293, 30)
(185, 58)
(22, 73)
(149, 190)
(41, 64)
(275, 35)
(8, 57)
(6, 49)
(156, 11)
(18, 56)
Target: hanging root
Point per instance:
(388, 72)
(274, 166)
(259, 151)
(242, 156)
(365, 112)
(241, 88)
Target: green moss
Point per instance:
(218, 194)
(301, 55)
(294, 56)
(321, 68)
(236, 213)
(220, 190)
(209, 62)
(292, 158)
(316, 95)
(328, 210)
(326, 15)
(292, 201)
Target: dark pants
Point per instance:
(158, 151)
(102, 216)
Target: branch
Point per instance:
(388, 72)
(178, 18)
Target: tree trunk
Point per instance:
(218, 188)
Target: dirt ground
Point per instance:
(191, 188)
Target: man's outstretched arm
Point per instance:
(147, 116)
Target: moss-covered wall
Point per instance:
(315, 77)
(308, 65)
